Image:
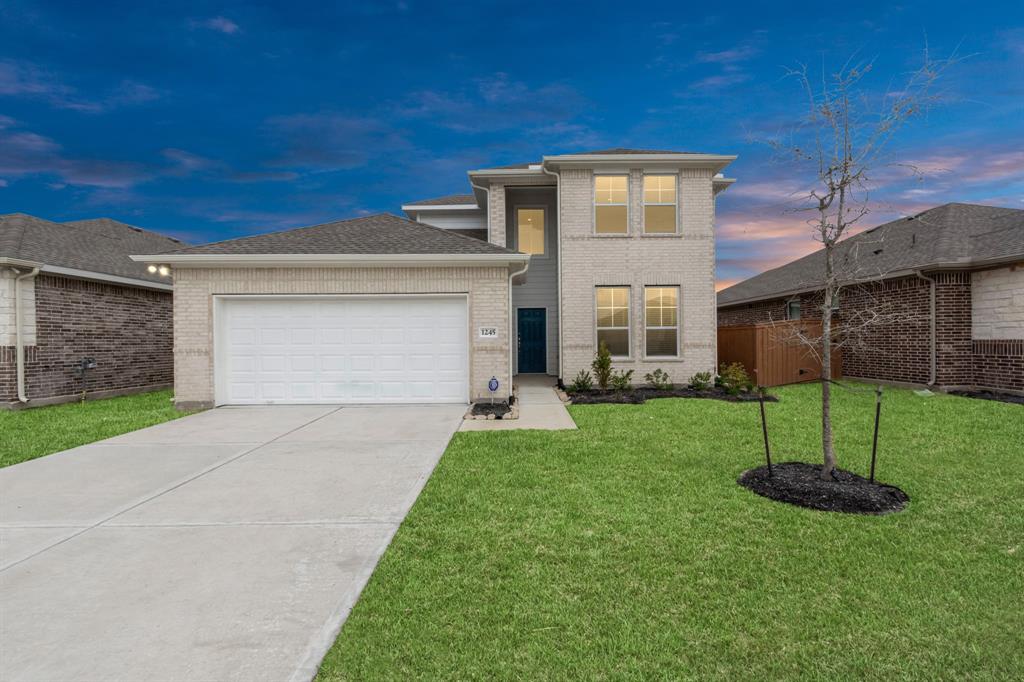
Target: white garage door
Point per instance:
(327, 349)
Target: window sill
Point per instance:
(610, 235)
(665, 358)
(661, 235)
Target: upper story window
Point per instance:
(530, 231)
(659, 204)
(611, 204)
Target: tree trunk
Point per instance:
(827, 444)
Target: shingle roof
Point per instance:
(377, 234)
(100, 245)
(450, 200)
(947, 235)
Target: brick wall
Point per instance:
(194, 289)
(127, 330)
(685, 260)
(901, 351)
(997, 303)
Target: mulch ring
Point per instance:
(499, 410)
(637, 396)
(801, 484)
(991, 395)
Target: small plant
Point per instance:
(621, 381)
(659, 379)
(734, 378)
(582, 383)
(701, 381)
(602, 366)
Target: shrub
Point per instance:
(701, 381)
(602, 366)
(582, 382)
(734, 378)
(621, 381)
(659, 379)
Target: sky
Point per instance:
(207, 121)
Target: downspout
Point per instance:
(558, 256)
(511, 276)
(487, 193)
(19, 315)
(931, 322)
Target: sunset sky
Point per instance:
(216, 120)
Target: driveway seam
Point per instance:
(166, 490)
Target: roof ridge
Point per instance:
(136, 228)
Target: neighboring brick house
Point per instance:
(81, 297)
(524, 275)
(968, 259)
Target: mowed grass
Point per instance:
(627, 551)
(30, 433)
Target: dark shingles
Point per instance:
(377, 234)
(951, 234)
(100, 245)
(450, 200)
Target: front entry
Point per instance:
(533, 345)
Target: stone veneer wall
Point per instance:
(127, 330)
(194, 289)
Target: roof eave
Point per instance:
(440, 207)
(346, 259)
(83, 274)
(714, 161)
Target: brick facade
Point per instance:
(685, 260)
(900, 352)
(195, 288)
(127, 330)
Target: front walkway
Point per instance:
(227, 545)
(539, 408)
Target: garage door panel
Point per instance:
(338, 350)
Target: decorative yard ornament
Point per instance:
(492, 386)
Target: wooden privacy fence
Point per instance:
(771, 355)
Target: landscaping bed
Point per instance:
(991, 395)
(499, 410)
(801, 484)
(637, 396)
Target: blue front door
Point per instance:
(532, 341)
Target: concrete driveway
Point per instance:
(227, 545)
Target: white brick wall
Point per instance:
(194, 289)
(997, 304)
(686, 260)
(28, 298)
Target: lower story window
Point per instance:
(613, 319)
(661, 312)
(793, 310)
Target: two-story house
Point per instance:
(526, 274)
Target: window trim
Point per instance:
(594, 204)
(629, 319)
(678, 327)
(674, 204)
(799, 304)
(515, 226)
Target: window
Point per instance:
(530, 230)
(661, 312)
(659, 204)
(793, 310)
(613, 319)
(611, 197)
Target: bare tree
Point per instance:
(840, 144)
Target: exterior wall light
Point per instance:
(164, 270)
(152, 269)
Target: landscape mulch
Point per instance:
(801, 484)
(499, 410)
(991, 395)
(637, 396)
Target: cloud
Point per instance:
(3, 183)
(26, 80)
(332, 141)
(731, 56)
(717, 83)
(218, 23)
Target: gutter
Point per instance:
(511, 276)
(329, 259)
(931, 325)
(558, 255)
(19, 314)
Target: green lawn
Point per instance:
(31, 433)
(626, 550)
